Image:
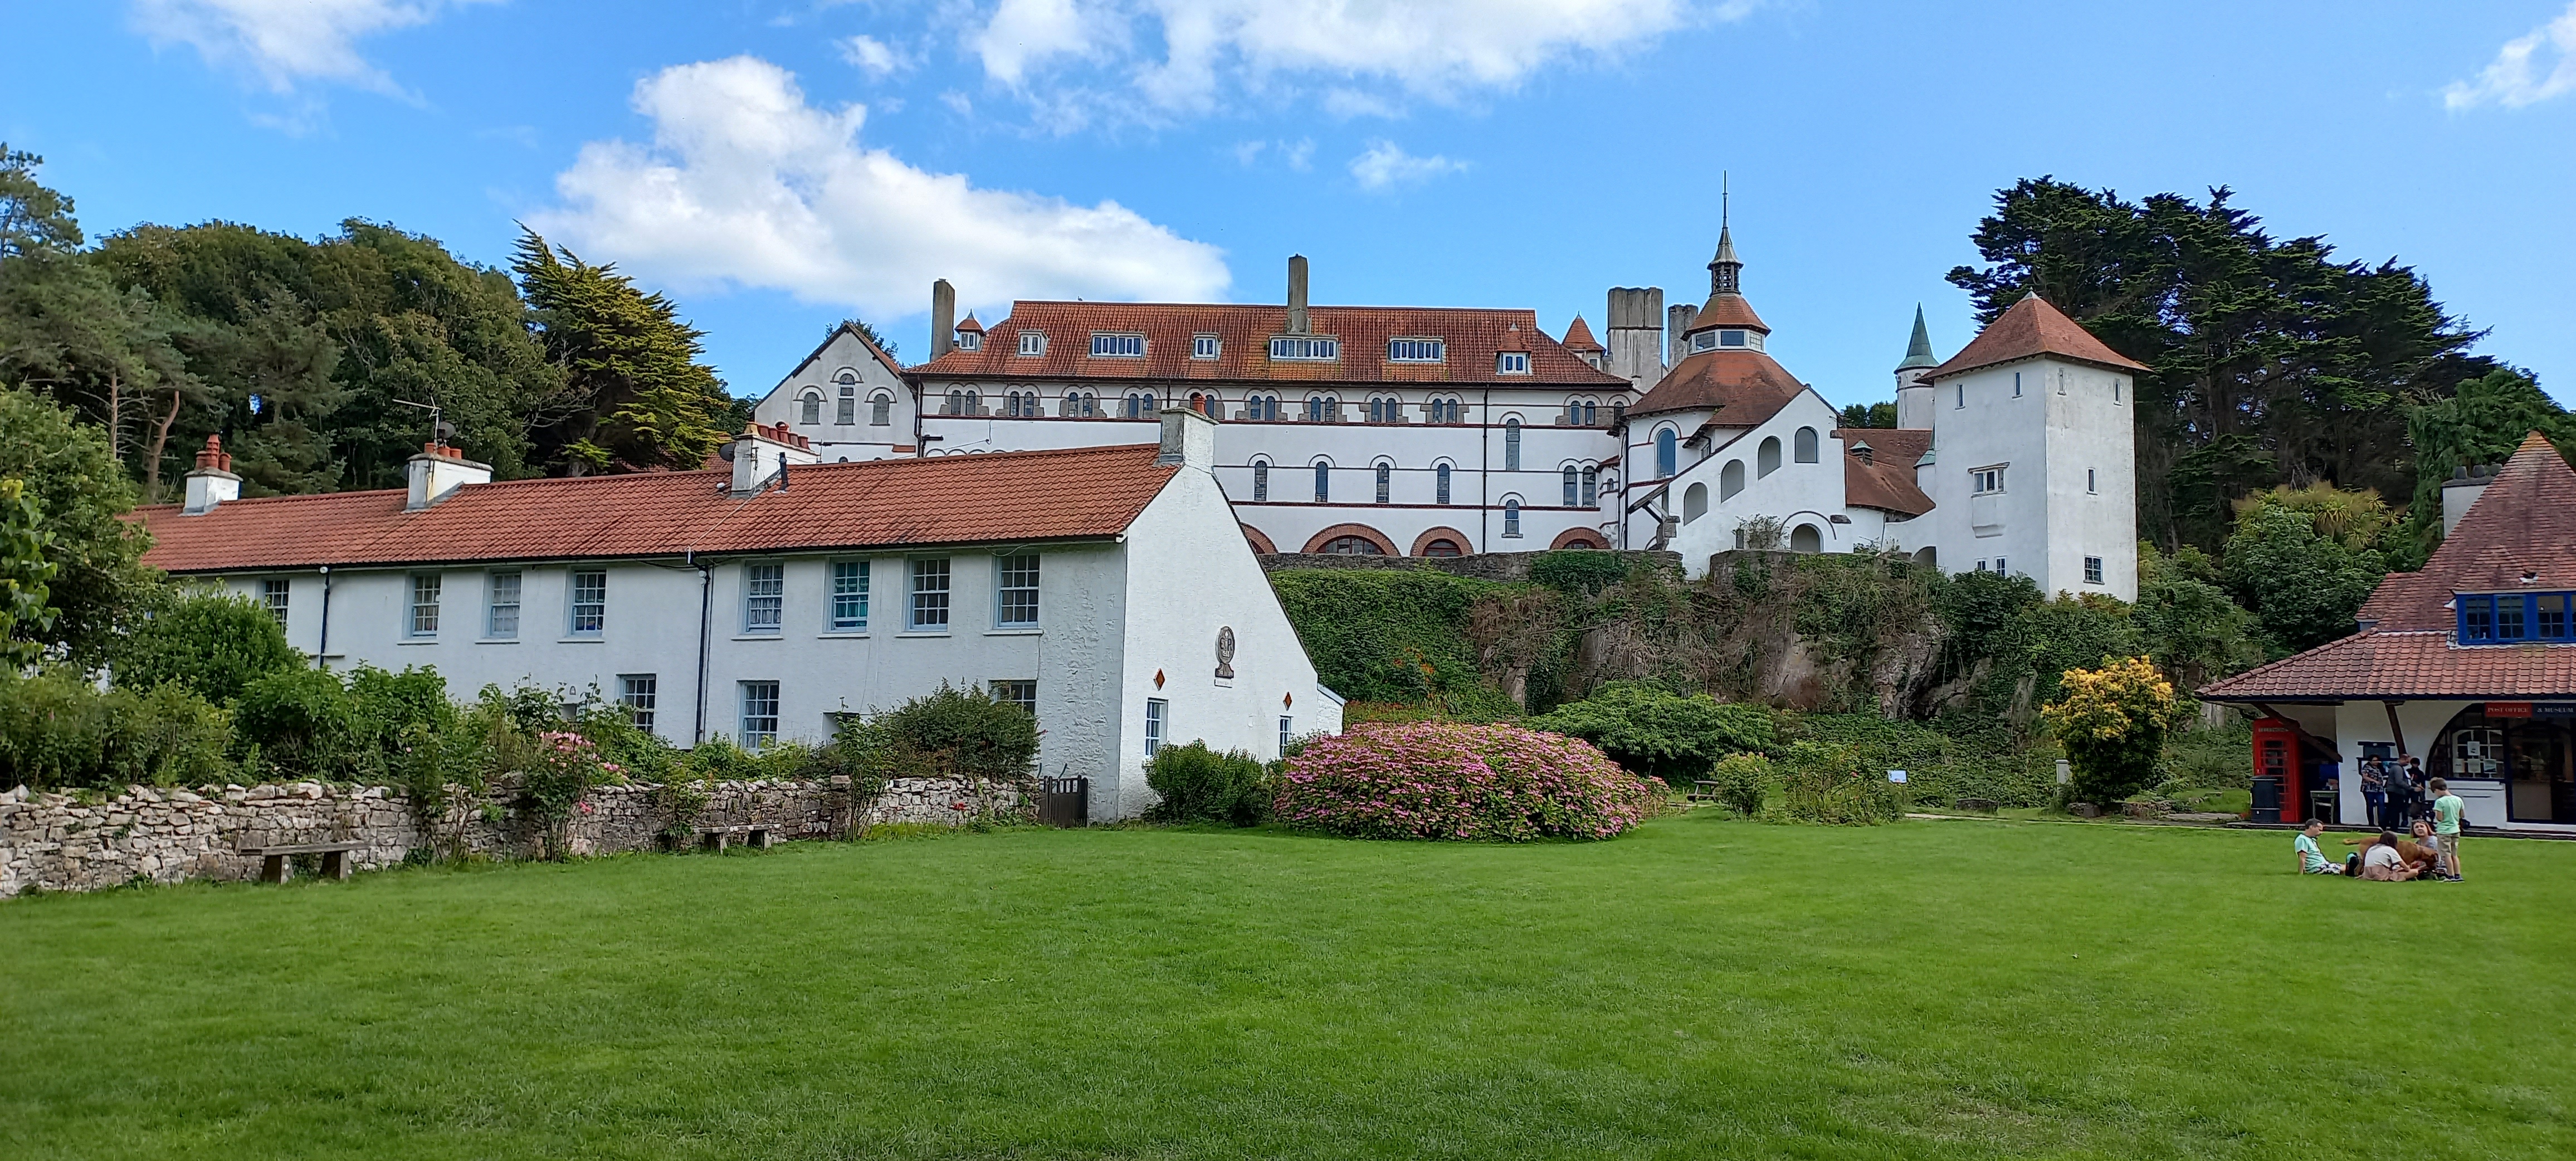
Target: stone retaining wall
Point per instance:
(63, 842)
(1492, 566)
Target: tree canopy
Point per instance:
(645, 399)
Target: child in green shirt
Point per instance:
(2313, 861)
(2447, 809)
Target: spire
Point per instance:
(1725, 271)
(1918, 350)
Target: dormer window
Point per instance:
(1205, 346)
(1032, 342)
(1512, 363)
(1417, 351)
(1730, 338)
(2515, 618)
(1117, 346)
(1305, 349)
(970, 340)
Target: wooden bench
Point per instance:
(1702, 790)
(274, 868)
(717, 838)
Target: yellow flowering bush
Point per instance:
(2112, 722)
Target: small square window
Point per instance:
(501, 621)
(639, 692)
(1987, 481)
(589, 601)
(764, 596)
(1023, 694)
(1205, 346)
(759, 713)
(929, 596)
(1032, 342)
(849, 596)
(2093, 570)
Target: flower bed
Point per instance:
(1431, 780)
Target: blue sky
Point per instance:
(778, 165)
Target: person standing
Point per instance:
(2374, 791)
(2447, 809)
(2409, 786)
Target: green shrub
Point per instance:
(2207, 759)
(1395, 635)
(212, 643)
(1831, 785)
(966, 733)
(1656, 733)
(1200, 784)
(1580, 572)
(58, 730)
(1938, 763)
(1743, 782)
(303, 722)
(388, 704)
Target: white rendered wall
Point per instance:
(1797, 494)
(2045, 522)
(835, 442)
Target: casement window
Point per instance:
(764, 597)
(1512, 445)
(809, 410)
(849, 611)
(2093, 570)
(929, 612)
(1385, 482)
(1440, 484)
(1306, 350)
(423, 621)
(2512, 618)
(501, 614)
(1512, 363)
(759, 713)
(274, 595)
(2000, 567)
(1079, 405)
(970, 340)
(1986, 481)
(963, 403)
(589, 602)
(1287, 733)
(880, 410)
(1020, 405)
(1023, 694)
(1512, 518)
(1206, 346)
(1582, 412)
(846, 412)
(1158, 723)
(1032, 342)
(1416, 350)
(1117, 346)
(639, 693)
(1016, 593)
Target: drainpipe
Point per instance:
(1484, 468)
(322, 652)
(706, 598)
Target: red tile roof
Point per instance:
(1727, 310)
(889, 504)
(1743, 384)
(2524, 523)
(1887, 481)
(1578, 337)
(1474, 337)
(2030, 328)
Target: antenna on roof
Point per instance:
(439, 429)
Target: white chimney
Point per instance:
(213, 482)
(1189, 439)
(2461, 490)
(439, 470)
(763, 452)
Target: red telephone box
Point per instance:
(2277, 755)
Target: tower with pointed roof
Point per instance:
(1913, 391)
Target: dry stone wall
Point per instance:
(63, 842)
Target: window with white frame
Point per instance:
(1305, 349)
(846, 412)
(2093, 570)
(929, 596)
(1704, 341)
(1416, 350)
(764, 597)
(501, 613)
(1206, 346)
(1016, 606)
(1591, 486)
(1986, 481)
(1730, 338)
(639, 693)
(849, 611)
(1032, 342)
(1260, 482)
(1287, 733)
(970, 340)
(1022, 693)
(1158, 724)
(759, 713)
(274, 595)
(1512, 363)
(589, 608)
(423, 621)
(1117, 346)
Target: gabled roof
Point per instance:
(1887, 481)
(1578, 338)
(2028, 329)
(1085, 493)
(1743, 384)
(2523, 524)
(1473, 337)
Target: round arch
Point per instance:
(1806, 538)
(1385, 547)
(1260, 543)
(1577, 538)
(1458, 540)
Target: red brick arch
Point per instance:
(1579, 538)
(1422, 543)
(1260, 544)
(1361, 530)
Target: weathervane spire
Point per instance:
(1725, 271)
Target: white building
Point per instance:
(1105, 588)
(1436, 432)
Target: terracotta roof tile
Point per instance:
(1473, 337)
(1726, 310)
(2415, 663)
(1578, 337)
(2030, 328)
(890, 504)
(1887, 481)
(1743, 384)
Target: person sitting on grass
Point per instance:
(2383, 863)
(2313, 861)
(2416, 851)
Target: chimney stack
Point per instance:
(762, 452)
(1677, 319)
(1297, 295)
(1189, 439)
(213, 482)
(943, 318)
(438, 471)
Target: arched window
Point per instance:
(974, 403)
(847, 411)
(1730, 481)
(1323, 409)
(1260, 481)
(1323, 482)
(1385, 482)
(1352, 546)
(810, 409)
(1591, 413)
(1512, 444)
(1444, 411)
(1512, 518)
(1571, 474)
(1442, 546)
(1440, 478)
(1385, 409)
(880, 409)
(1803, 446)
(1591, 487)
(1694, 503)
(1667, 453)
(1805, 538)
(1261, 407)
(1767, 459)
(956, 404)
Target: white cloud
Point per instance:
(2527, 70)
(1441, 49)
(877, 58)
(746, 184)
(285, 42)
(1385, 165)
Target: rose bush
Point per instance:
(1434, 780)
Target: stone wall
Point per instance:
(63, 842)
(1492, 566)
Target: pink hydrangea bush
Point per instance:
(1442, 780)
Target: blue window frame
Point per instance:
(2506, 618)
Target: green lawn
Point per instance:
(1701, 988)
